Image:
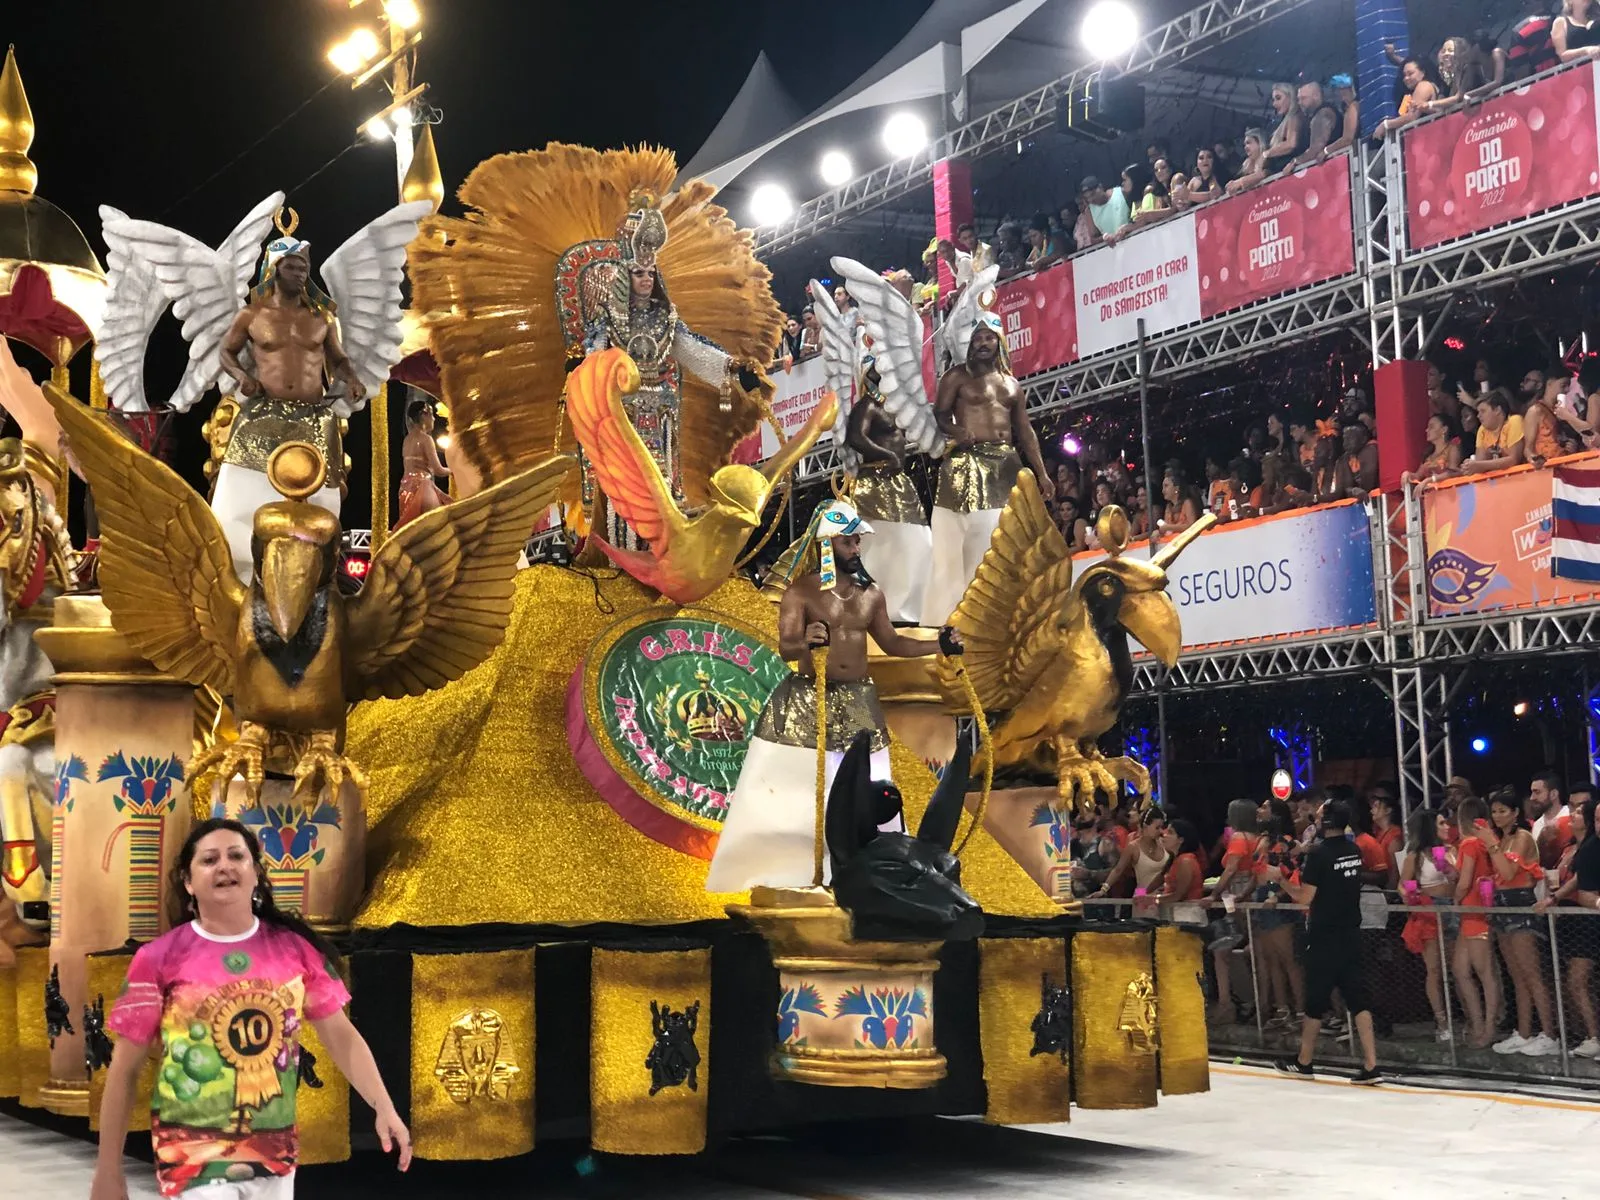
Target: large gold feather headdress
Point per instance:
(487, 283)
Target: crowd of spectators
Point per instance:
(1520, 852)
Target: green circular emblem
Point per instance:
(669, 705)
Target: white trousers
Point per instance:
(769, 836)
(274, 1187)
(960, 540)
(896, 555)
(242, 490)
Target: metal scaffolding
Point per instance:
(1205, 28)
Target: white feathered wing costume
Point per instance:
(889, 338)
(153, 266)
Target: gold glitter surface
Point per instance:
(323, 1114)
(1111, 1073)
(10, 1068)
(264, 424)
(478, 812)
(790, 717)
(884, 494)
(624, 1118)
(105, 978)
(1024, 1088)
(977, 478)
(1181, 1012)
(33, 1039)
(444, 987)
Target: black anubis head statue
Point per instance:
(896, 887)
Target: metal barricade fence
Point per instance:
(1423, 999)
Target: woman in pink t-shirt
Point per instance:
(227, 990)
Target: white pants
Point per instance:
(242, 490)
(960, 540)
(896, 555)
(769, 836)
(275, 1187)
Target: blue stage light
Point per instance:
(1480, 745)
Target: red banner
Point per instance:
(1521, 153)
(1039, 319)
(1289, 234)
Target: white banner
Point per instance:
(1155, 275)
(797, 392)
(1276, 577)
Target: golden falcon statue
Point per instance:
(1051, 654)
(689, 556)
(288, 648)
(570, 251)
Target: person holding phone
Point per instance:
(1564, 399)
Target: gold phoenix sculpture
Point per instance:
(1051, 654)
(289, 649)
(690, 555)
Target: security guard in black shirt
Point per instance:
(1329, 882)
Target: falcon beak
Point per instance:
(290, 572)
(1151, 619)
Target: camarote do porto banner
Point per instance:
(1522, 152)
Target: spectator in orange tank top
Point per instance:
(1514, 859)
(1185, 880)
(1477, 975)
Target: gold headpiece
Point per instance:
(643, 231)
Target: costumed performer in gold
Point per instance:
(984, 416)
(420, 455)
(602, 235)
(769, 835)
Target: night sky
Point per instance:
(139, 105)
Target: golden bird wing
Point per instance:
(165, 568)
(621, 462)
(722, 292)
(437, 598)
(1008, 616)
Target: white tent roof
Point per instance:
(951, 39)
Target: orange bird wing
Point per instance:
(616, 454)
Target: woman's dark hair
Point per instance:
(416, 408)
(1589, 816)
(1188, 837)
(183, 908)
(1280, 822)
(1155, 813)
(1508, 798)
(1388, 800)
(1423, 65)
(1041, 222)
(1422, 831)
(1139, 176)
(1452, 427)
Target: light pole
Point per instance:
(358, 56)
(361, 56)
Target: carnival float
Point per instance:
(623, 849)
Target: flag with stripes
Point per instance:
(1575, 547)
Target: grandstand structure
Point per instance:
(1394, 301)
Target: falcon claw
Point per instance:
(243, 757)
(322, 766)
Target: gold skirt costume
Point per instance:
(264, 423)
(790, 717)
(978, 477)
(885, 494)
